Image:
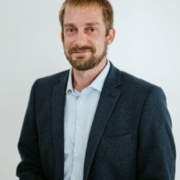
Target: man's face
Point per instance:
(84, 37)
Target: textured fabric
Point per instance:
(80, 108)
(130, 138)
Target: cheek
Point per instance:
(99, 44)
(67, 44)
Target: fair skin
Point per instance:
(85, 27)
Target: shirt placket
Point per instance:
(78, 137)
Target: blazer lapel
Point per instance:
(109, 96)
(58, 103)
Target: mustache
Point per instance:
(83, 48)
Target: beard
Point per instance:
(81, 63)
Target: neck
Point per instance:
(82, 79)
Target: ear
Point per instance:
(62, 37)
(111, 35)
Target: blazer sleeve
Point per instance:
(156, 150)
(30, 167)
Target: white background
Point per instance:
(147, 45)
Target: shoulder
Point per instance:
(136, 87)
(130, 80)
(52, 80)
(138, 84)
(141, 90)
(46, 84)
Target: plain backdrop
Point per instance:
(147, 45)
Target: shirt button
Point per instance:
(78, 127)
(76, 154)
(81, 102)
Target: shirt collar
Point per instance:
(96, 84)
(69, 84)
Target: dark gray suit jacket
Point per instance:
(130, 139)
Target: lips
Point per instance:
(81, 50)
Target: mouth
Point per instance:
(80, 52)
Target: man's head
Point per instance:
(106, 8)
(87, 30)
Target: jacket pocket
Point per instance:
(118, 151)
(117, 138)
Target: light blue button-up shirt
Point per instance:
(80, 109)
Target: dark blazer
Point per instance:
(130, 139)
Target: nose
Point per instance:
(80, 39)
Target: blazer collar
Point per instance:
(58, 104)
(108, 99)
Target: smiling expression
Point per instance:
(84, 37)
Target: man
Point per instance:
(94, 122)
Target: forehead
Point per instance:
(83, 14)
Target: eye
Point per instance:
(92, 30)
(70, 30)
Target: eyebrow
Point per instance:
(93, 24)
(68, 25)
(88, 24)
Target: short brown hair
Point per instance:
(107, 10)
